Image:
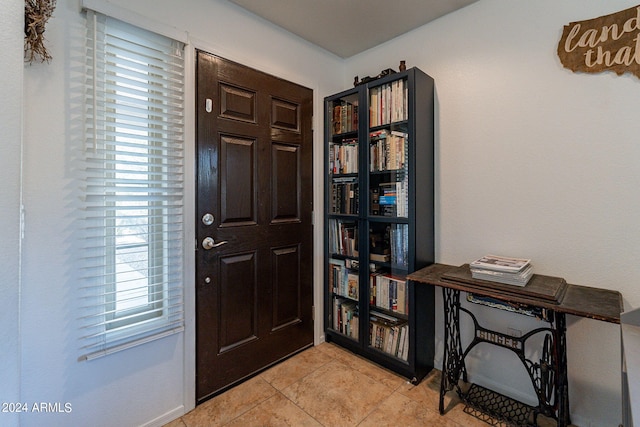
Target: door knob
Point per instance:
(209, 243)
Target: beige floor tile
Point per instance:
(337, 395)
(176, 423)
(399, 410)
(456, 413)
(428, 392)
(332, 387)
(333, 350)
(378, 373)
(231, 404)
(293, 369)
(277, 411)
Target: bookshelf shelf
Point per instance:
(379, 220)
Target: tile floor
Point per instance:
(329, 386)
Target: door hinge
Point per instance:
(313, 313)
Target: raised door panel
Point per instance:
(285, 115)
(286, 180)
(286, 286)
(238, 204)
(237, 103)
(238, 290)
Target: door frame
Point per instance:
(189, 341)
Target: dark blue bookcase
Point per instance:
(379, 220)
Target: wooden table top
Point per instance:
(583, 301)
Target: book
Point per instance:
(404, 355)
(388, 103)
(352, 285)
(500, 263)
(388, 334)
(336, 267)
(398, 242)
(344, 196)
(520, 278)
(343, 237)
(388, 292)
(507, 270)
(344, 117)
(388, 150)
(374, 196)
(379, 257)
(345, 317)
(343, 280)
(343, 156)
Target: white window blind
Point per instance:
(132, 216)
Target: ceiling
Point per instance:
(348, 27)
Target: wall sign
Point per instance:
(607, 43)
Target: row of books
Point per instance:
(345, 117)
(344, 197)
(343, 157)
(390, 244)
(345, 317)
(383, 201)
(389, 293)
(390, 199)
(500, 269)
(343, 278)
(388, 103)
(343, 238)
(389, 334)
(386, 245)
(387, 150)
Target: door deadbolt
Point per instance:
(208, 219)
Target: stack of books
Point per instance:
(511, 271)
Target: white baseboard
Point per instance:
(165, 418)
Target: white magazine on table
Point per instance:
(500, 263)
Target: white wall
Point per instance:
(11, 22)
(152, 383)
(534, 161)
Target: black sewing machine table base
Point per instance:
(547, 298)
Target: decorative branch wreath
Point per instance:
(36, 14)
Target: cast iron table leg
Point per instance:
(562, 387)
(453, 360)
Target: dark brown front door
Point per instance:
(254, 200)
